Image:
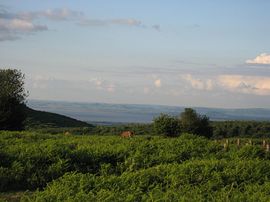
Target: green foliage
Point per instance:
(225, 129)
(12, 98)
(111, 168)
(44, 120)
(193, 123)
(138, 129)
(199, 180)
(167, 125)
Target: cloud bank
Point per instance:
(15, 25)
(256, 85)
(263, 58)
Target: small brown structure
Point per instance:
(127, 134)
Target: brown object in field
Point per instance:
(238, 142)
(267, 147)
(264, 143)
(66, 133)
(227, 141)
(127, 134)
(250, 142)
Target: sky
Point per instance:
(179, 52)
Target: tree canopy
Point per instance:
(167, 125)
(194, 123)
(188, 122)
(12, 99)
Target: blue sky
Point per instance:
(188, 53)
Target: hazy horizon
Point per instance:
(136, 113)
(150, 104)
(177, 53)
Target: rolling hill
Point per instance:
(41, 119)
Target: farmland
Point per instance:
(46, 167)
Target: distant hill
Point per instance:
(41, 119)
(107, 114)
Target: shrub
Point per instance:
(194, 123)
(167, 125)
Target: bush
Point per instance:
(167, 125)
(194, 123)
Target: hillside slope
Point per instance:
(40, 119)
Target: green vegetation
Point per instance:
(167, 125)
(194, 123)
(189, 122)
(110, 168)
(255, 129)
(12, 98)
(43, 120)
(221, 129)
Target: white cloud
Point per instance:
(257, 85)
(146, 90)
(103, 85)
(110, 88)
(12, 25)
(61, 14)
(131, 22)
(263, 58)
(209, 84)
(199, 84)
(99, 22)
(98, 83)
(18, 25)
(158, 83)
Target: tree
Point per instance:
(12, 99)
(194, 123)
(167, 125)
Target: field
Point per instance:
(44, 167)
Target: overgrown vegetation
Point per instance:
(110, 168)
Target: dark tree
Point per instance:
(167, 125)
(192, 122)
(12, 99)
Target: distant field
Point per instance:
(143, 168)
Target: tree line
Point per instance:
(189, 121)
